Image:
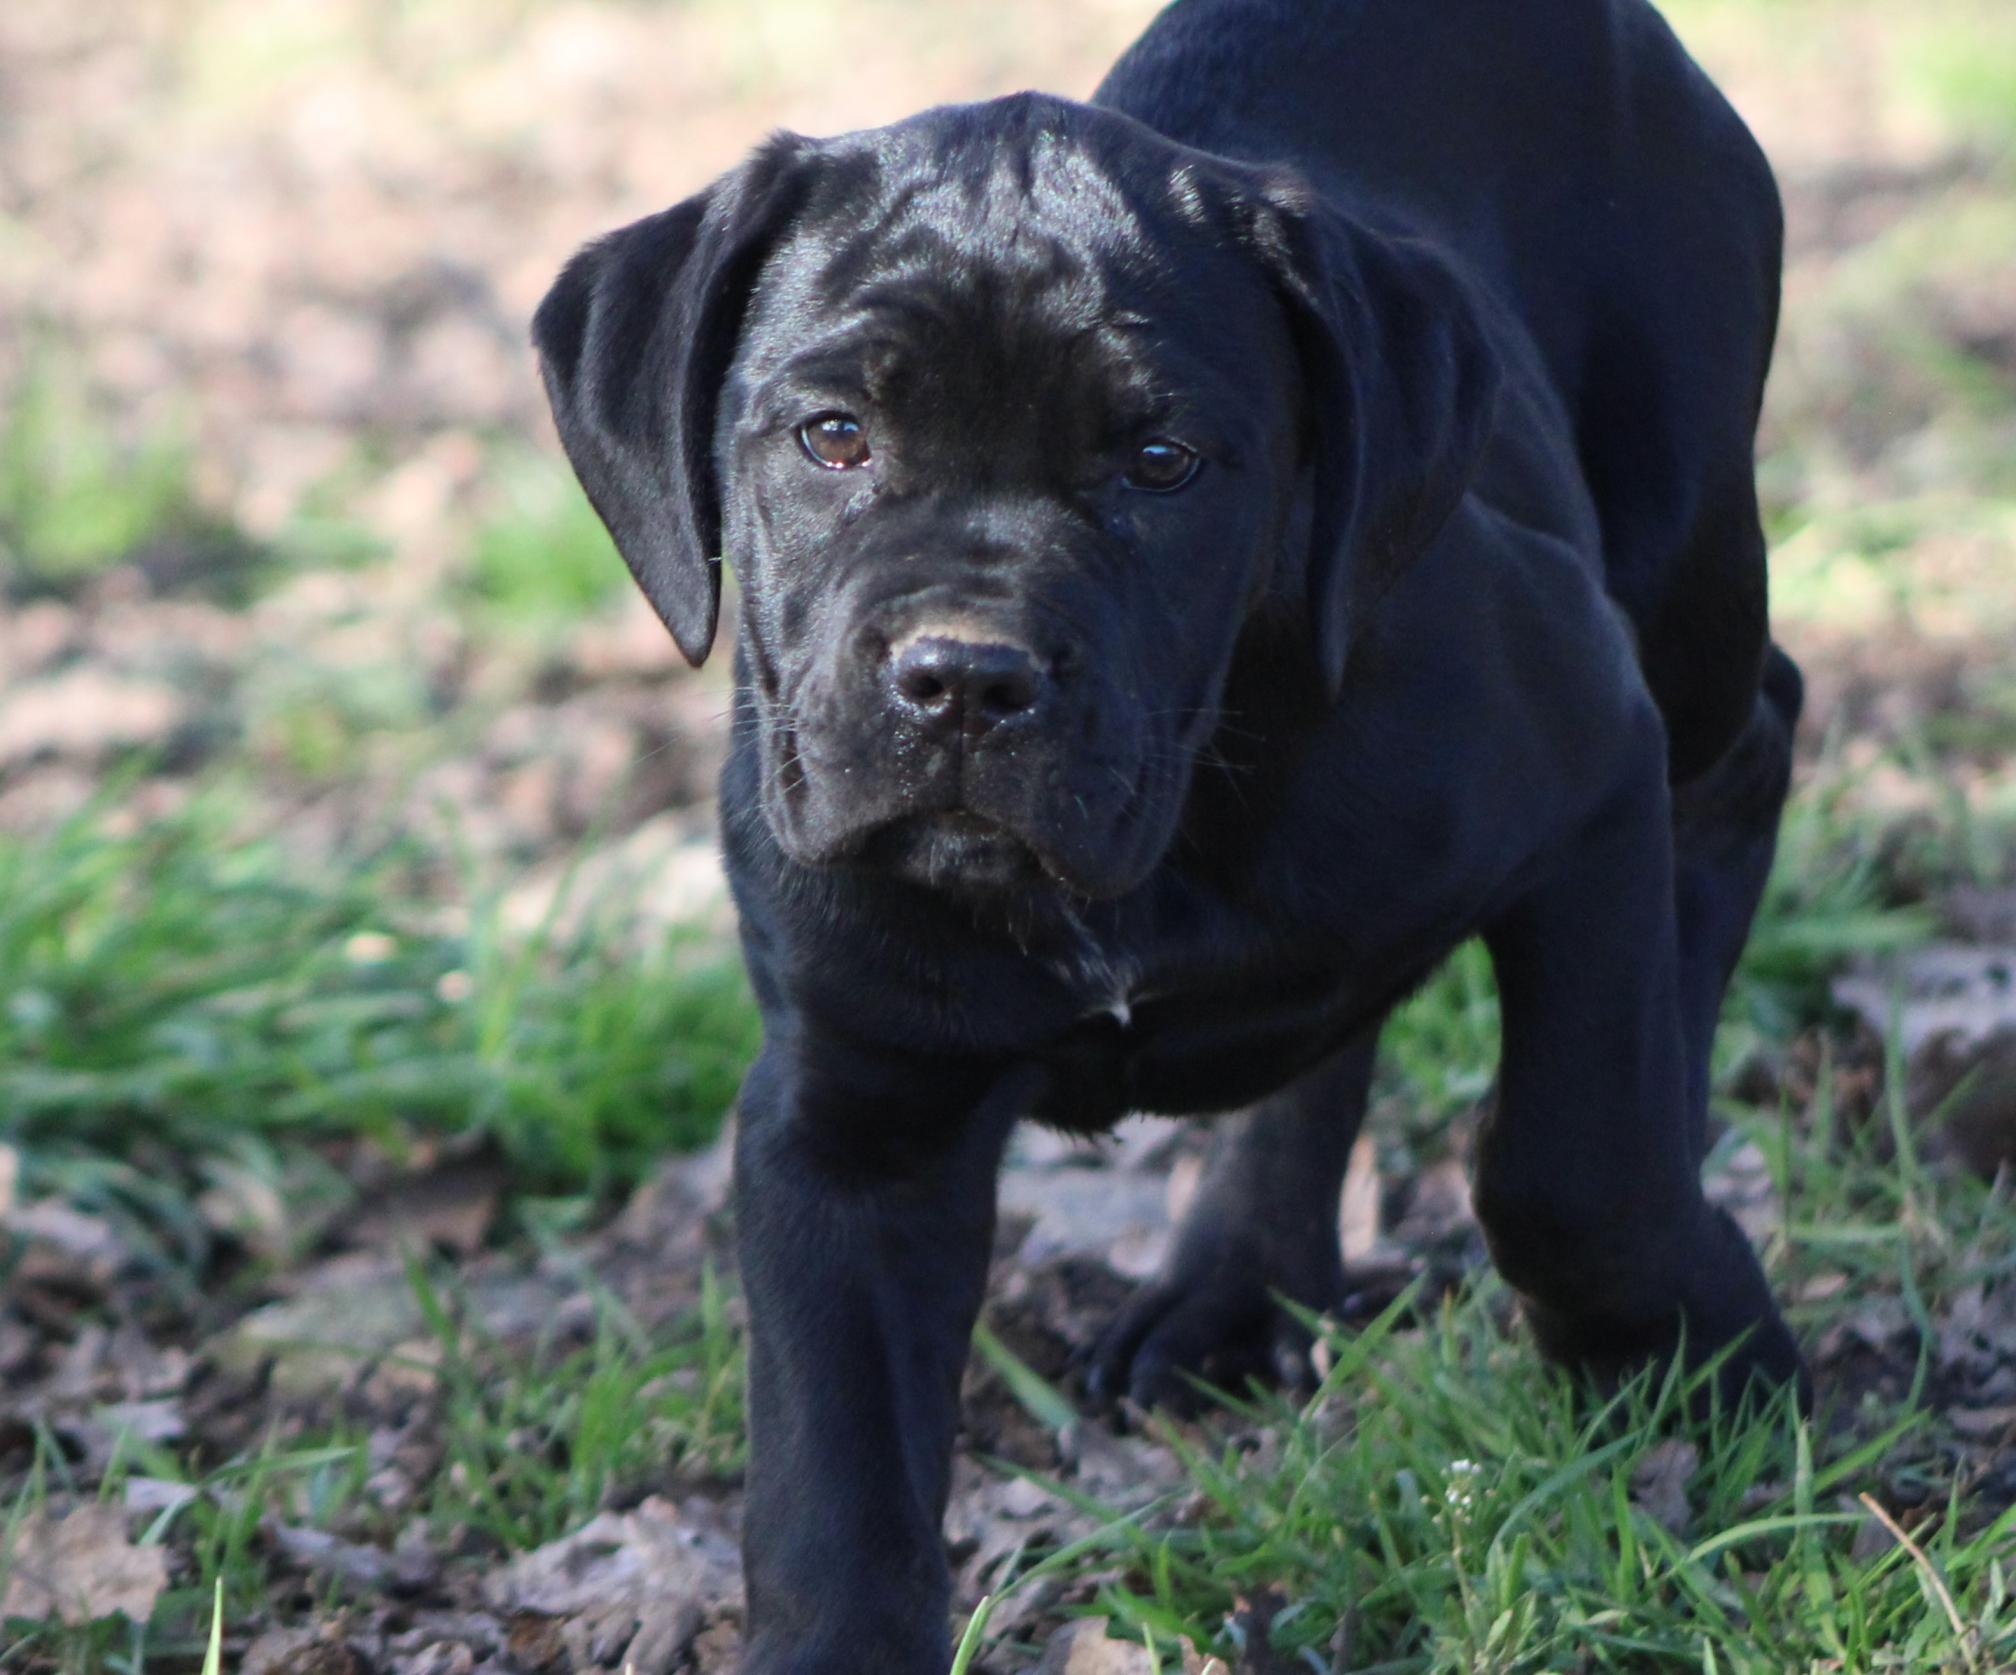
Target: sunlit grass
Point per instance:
(80, 494)
(539, 557)
(535, 1440)
(1447, 1503)
(171, 988)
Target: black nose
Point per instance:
(974, 685)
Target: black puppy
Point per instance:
(1206, 553)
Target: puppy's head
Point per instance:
(1012, 419)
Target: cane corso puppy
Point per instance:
(1206, 552)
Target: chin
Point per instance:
(980, 856)
(956, 852)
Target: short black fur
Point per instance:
(1050, 796)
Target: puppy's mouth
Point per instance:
(1021, 823)
(952, 849)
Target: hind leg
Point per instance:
(1263, 1225)
(1725, 834)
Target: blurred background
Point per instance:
(355, 846)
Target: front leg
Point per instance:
(1588, 1173)
(864, 1205)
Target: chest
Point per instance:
(1217, 1021)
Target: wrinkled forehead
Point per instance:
(983, 236)
(1033, 207)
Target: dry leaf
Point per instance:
(638, 1585)
(1358, 1210)
(80, 1567)
(1124, 1471)
(1118, 1217)
(1659, 1484)
(1085, 1648)
(1993, 1422)
(1963, 995)
(364, 1568)
(146, 1496)
(65, 1246)
(450, 1206)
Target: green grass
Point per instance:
(323, 721)
(536, 1440)
(215, 1527)
(185, 990)
(538, 556)
(1456, 1512)
(1962, 68)
(1456, 1506)
(537, 1443)
(79, 497)
(1948, 67)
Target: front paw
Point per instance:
(1724, 1308)
(1222, 1322)
(867, 1654)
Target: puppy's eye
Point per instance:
(834, 440)
(1160, 466)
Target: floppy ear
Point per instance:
(1401, 387)
(634, 340)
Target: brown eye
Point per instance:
(835, 440)
(1161, 466)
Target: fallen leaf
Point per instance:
(635, 1586)
(1124, 1471)
(309, 1651)
(149, 1495)
(1954, 992)
(365, 1568)
(1659, 1484)
(1983, 1421)
(656, 1549)
(1117, 1216)
(86, 711)
(111, 1429)
(1358, 1210)
(1085, 1648)
(440, 1660)
(79, 1567)
(449, 1206)
(990, 1517)
(65, 1247)
(360, 1305)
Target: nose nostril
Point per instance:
(1007, 696)
(978, 684)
